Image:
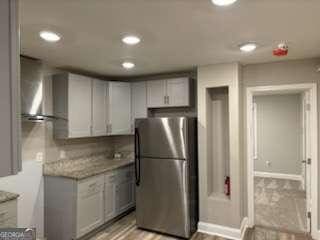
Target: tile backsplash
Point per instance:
(38, 142)
(124, 145)
(33, 140)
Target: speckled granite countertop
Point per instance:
(83, 168)
(7, 196)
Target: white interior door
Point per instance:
(306, 151)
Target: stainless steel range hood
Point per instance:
(34, 106)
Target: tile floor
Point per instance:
(280, 204)
(263, 233)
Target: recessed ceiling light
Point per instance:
(131, 40)
(49, 36)
(128, 65)
(248, 47)
(223, 2)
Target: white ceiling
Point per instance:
(176, 34)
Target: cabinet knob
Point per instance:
(166, 99)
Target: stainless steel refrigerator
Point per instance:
(166, 175)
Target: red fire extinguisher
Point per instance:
(227, 186)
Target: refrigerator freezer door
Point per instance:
(162, 137)
(162, 203)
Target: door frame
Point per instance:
(311, 88)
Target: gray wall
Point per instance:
(215, 209)
(279, 134)
(277, 73)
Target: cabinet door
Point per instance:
(125, 196)
(119, 106)
(138, 101)
(79, 106)
(110, 197)
(99, 108)
(9, 89)
(8, 214)
(90, 205)
(178, 92)
(156, 93)
(125, 190)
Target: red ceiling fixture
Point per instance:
(281, 50)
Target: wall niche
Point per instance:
(217, 110)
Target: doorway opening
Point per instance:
(282, 141)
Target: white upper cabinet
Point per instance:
(119, 108)
(72, 97)
(178, 92)
(9, 89)
(168, 93)
(156, 93)
(99, 108)
(138, 101)
(79, 106)
(87, 107)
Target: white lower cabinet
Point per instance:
(90, 205)
(110, 196)
(8, 214)
(125, 190)
(75, 208)
(119, 192)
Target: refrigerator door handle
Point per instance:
(137, 156)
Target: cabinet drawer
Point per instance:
(91, 185)
(8, 210)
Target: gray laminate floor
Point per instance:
(280, 204)
(125, 229)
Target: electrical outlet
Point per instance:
(39, 157)
(268, 163)
(62, 154)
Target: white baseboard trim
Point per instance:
(278, 175)
(244, 226)
(218, 230)
(318, 236)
